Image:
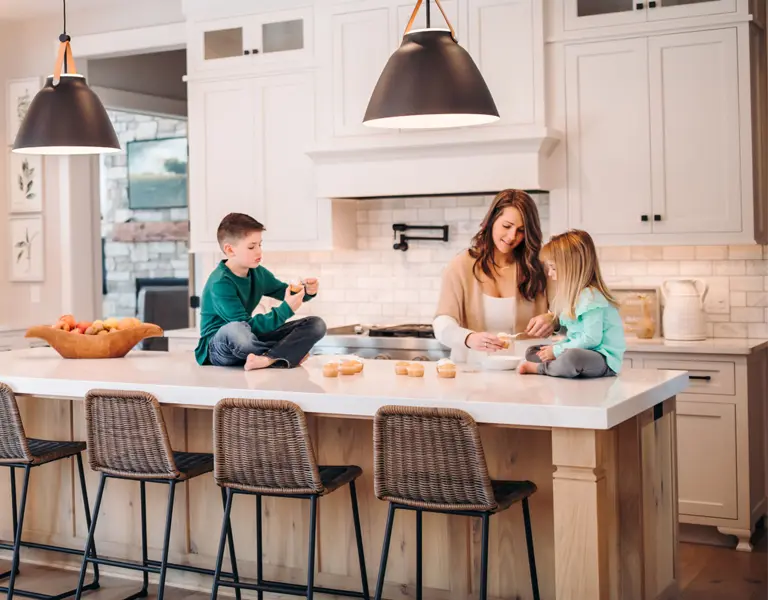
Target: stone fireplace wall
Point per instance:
(125, 259)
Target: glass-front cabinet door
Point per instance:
(676, 9)
(583, 14)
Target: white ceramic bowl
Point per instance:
(501, 362)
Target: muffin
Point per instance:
(331, 369)
(296, 287)
(446, 368)
(506, 339)
(357, 363)
(349, 367)
(415, 370)
(401, 367)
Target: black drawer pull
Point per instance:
(652, 4)
(644, 218)
(700, 377)
(639, 6)
(657, 218)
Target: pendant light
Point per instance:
(430, 82)
(66, 116)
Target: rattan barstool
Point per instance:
(263, 448)
(17, 451)
(432, 460)
(127, 439)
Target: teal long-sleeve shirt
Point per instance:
(230, 298)
(597, 326)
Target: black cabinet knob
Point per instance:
(652, 4)
(255, 51)
(644, 218)
(639, 6)
(246, 52)
(657, 217)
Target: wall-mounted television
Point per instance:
(157, 173)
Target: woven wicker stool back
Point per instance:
(263, 446)
(127, 435)
(13, 441)
(430, 458)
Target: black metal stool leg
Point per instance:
(14, 513)
(144, 543)
(225, 526)
(419, 544)
(231, 543)
(531, 555)
(166, 541)
(484, 558)
(359, 539)
(87, 507)
(259, 563)
(89, 540)
(17, 537)
(312, 545)
(385, 552)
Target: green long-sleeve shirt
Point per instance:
(230, 298)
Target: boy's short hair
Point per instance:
(236, 226)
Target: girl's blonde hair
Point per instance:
(575, 258)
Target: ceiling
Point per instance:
(30, 9)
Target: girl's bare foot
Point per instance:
(254, 362)
(528, 368)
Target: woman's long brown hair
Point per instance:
(531, 279)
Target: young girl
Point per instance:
(595, 345)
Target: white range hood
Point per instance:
(483, 160)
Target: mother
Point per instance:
(498, 284)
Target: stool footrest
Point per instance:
(189, 568)
(38, 596)
(23, 544)
(123, 564)
(291, 589)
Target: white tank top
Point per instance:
(500, 316)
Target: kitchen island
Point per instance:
(602, 453)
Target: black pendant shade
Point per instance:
(66, 119)
(430, 82)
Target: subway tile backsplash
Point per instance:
(376, 284)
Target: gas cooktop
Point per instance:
(418, 331)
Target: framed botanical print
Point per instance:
(25, 175)
(27, 250)
(20, 94)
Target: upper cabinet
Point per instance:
(582, 14)
(658, 145)
(263, 42)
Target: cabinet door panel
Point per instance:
(608, 145)
(501, 42)
(361, 47)
(695, 134)
(677, 9)
(706, 450)
(290, 207)
(224, 165)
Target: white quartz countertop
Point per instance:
(504, 398)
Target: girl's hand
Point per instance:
(311, 285)
(546, 354)
(484, 342)
(541, 326)
(294, 300)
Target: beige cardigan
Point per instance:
(461, 298)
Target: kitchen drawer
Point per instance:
(713, 378)
(706, 460)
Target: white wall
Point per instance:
(28, 49)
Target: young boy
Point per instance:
(229, 335)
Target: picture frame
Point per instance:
(25, 178)
(19, 97)
(157, 173)
(631, 299)
(27, 249)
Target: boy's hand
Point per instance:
(293, 300)
(311, 285)
(546, 354)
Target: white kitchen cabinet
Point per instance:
(721, 435)
(247, 143)
(592, 14)
(264, 41)
(608, 143)
(657, 143)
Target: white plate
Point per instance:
(501, 362)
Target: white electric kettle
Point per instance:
(684, 319)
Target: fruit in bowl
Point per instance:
(107, 338)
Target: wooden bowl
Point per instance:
(115, 344)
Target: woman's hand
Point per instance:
(546, 354)
(484, 342)
(541, 326)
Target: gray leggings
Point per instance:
(573, 362)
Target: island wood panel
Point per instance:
(604, 525)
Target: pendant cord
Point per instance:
(429, 20)
(64, 2)
(64, 35)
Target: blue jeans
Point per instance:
(287, 345)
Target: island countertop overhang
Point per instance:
(498, 398)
